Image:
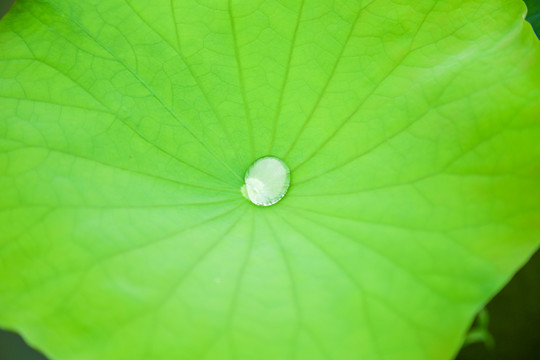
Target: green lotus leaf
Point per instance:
(410, 129)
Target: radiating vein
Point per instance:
(374, 251)
(85, 270)
(364, 293)
(178, 51)
(342, 124)
(328, 79)
(131, 128)
(286, 77)
(241, 78)
(158, 307)
(293, 287)
(238, 288)
(439, 171)
(128, 170)
(152, 92)
(445, 233)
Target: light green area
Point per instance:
(410, 127)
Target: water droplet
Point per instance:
(266, 181)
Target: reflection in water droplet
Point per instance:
(266, 181)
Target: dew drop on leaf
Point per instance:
(266, 181)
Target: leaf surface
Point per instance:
(411, 130)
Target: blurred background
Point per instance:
(509, 329)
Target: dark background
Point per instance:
(514, 314)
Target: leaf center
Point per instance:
(266, 181)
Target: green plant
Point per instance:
(411, 131)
